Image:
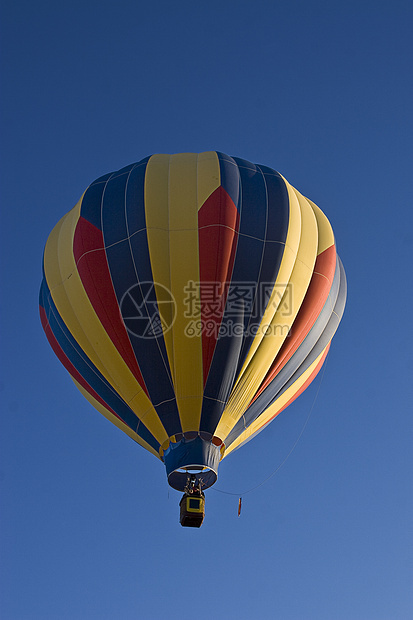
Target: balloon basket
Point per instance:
(192, 509)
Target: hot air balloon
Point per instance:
(192, 298)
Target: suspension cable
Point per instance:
(290, 452)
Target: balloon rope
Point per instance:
(292, 449)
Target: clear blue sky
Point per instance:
(322, 92)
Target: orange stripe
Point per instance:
(313, 303)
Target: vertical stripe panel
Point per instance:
(280, 323)
(184, 268)
(287, 253)
(128, 257)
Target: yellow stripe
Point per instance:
(176, 186)
(80, 318)
(275, 408)
(51, 265)
(325, 232)
(109, 416)
(296, 267)
(184, 264)
(157, 223)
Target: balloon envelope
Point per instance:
(192, 298)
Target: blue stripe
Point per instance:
(92, 200)
(275, 236)
(229, 177)
(127, 252)
(264, 215)
(90, 208)
(113, 210)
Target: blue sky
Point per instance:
(322, 92)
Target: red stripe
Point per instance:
(302, 388)
(313, 303)
(68, 364)
(218, 223)
(91, 262)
